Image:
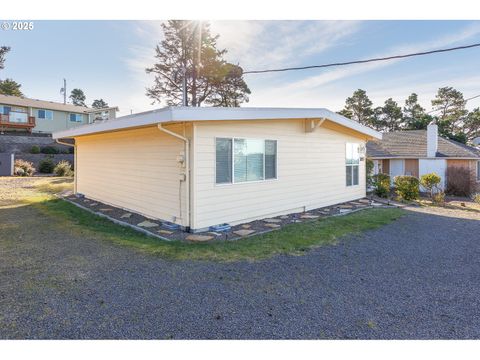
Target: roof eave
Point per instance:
(181, 114)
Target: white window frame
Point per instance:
(46, 111)
(352, 165)
(76, 114)
(233, 161)
(2, 109)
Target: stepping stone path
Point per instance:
(94, 204)
(364, 201)
(273, 226)
(199, 238)
(86, 200)
(272, 220)
(243, 232)
(126, 216)
(284, 217)
(325, 212)
(214, 233)
(345, 206)
(106, 209)
(309, 216)
(147, 224)
(343, 211)
(246, 226)
(165, 232)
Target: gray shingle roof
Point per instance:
(413, 144)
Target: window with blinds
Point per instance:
(352, 160)
(249, 160)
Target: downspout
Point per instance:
(74, 145)
(187, 169)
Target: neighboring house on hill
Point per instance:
(38, 116)
(199, 167)
(418, 152)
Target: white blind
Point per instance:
(223, 161)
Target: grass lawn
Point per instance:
(292, 239)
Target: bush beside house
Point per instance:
(381, 185)
(406, 187)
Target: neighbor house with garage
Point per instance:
(40, 116)
(419, 152)
(199, 167)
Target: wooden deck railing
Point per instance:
(6, 123)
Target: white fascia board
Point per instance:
(178, 114)
(124, 122)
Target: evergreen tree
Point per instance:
(3, 51)
(78, 97)
(358, 107)
(99, 104)
(10, 87)
(471, 126)
(189, 50)
(392, 117)
(414, 114)
(450, 105)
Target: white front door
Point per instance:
(397, 167)
(438, 166)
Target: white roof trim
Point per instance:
(179, 114)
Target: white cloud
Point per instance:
(260, 44)
(309, 90)
(270, 44)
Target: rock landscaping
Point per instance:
(166, 231)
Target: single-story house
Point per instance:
(419, 152)
(199, 167)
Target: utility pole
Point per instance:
(184, 86)
(63, 91)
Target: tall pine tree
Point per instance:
(190, 50)
(358, 107)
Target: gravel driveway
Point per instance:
(415, 278)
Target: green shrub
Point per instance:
(431, 183)
(406, 187)
(381, 184)
(35, 149)
(51, 150)
(23, 168)
(46, 166)
(476, 198)
(63, 168)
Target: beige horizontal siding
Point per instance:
(135, 170)
(311, 172)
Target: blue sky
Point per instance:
(107, 59)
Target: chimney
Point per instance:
(432, 139)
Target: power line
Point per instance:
(467, 99)
(364, 61)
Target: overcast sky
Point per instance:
(107, 59)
